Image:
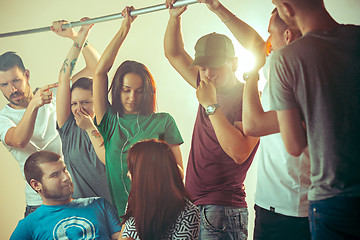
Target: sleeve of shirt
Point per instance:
(5, 125)
(106, 125)
(281, 84)
(130, 229)
(112, 218)
(21, 232)
(172, 133)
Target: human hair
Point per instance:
(32, 169)
(149, 97)
(157, 193)
(83, 83)
(9, 60)
(282, 26)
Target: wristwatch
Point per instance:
(248, 75)
(211, 109)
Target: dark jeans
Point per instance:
(30, 209)
(270, 225)
(335, 218)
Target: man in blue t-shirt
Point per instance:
(60, 216)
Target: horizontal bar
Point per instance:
(101, 19)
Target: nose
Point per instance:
(13, 89)
(208, 73)
(66, 176)
(132, 96)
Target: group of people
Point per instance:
(101, 163)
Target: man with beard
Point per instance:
(316, 80)
(60, 216)
(28, 121)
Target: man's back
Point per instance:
(320, 73)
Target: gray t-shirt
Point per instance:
(320, 75)
(87, 171)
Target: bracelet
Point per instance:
(230, 19)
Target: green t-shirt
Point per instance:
(118, 140)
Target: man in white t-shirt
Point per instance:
(281, 203)
(28, 121)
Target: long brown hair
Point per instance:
(149, 98)
(157, 193)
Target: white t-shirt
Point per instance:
(45, 137)
(282, 180)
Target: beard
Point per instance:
(23, 102)
(58, 194)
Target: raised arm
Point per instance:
(20, 135)
(174, 45)
(256, 122)
(105, 63)
(245, 34)
(63, 92)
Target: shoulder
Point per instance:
(161, 116)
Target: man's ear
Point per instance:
(27, 74)
(288, 36)
(36, 185)
(288, 9)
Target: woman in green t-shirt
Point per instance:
(131, 116)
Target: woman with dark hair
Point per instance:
(82, 144)
(158, 205)
(131, 116)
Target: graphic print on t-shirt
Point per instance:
(74, 228)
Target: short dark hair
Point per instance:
(83, 83)
(9, 60)
(149, 98)
(282, 26)
(32, 169)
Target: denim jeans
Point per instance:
(335, 218)
(274, 226)
(30, 209)
(223, 222)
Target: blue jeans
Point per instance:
(335, 218)
(223, 222)
(30, 209)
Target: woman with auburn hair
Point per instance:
(158, 204)
(130, 117)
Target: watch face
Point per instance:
(210, 109)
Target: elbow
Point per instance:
(243, 153)
(19, 144)
(250, 129)
(295, 149)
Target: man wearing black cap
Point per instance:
(220, 152)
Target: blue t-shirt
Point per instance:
(83, 218)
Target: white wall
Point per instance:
(43, 54)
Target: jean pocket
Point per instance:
(213, 218)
